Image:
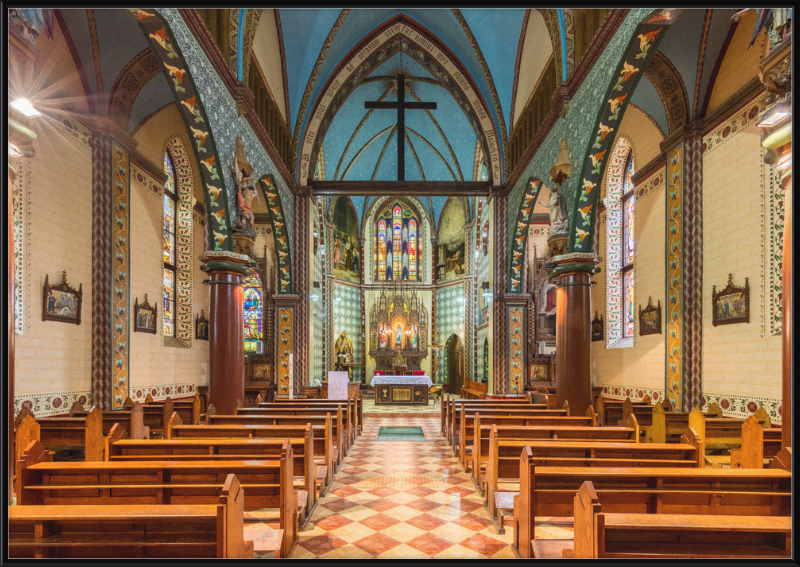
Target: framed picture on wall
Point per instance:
(538, 371)
(597, 328)
(201, 326)
(144, 317)
(61, 302)
(731, 304)
(650, 319)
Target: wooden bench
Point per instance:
(472, 389)
(503, 463)
(232, 449)
(483, 428)
(454, 415)
(324, 451)
(190, 409)
(449, 406)
(753, 448)
(346, 412)
(359, 403)
(155, 414)
(349, 412)
(547, 491)
(133, 530)
(618, 535)
(668, 426)
(132, 420)
(267, 484)
(336, 426)
(57, 432)
(614, 412)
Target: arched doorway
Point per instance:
(454, 359)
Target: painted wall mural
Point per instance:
(345, 245)
(186, 95)
(279, 231)
(452, 240)
(520, 241)
(641, 49)
(516, 349)
(285, 348)
(120, 270)
(674, 274)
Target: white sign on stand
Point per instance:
(337, 385)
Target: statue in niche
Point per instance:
(558, 219)
(245, 190)
(414, 337)
(383, 337)
(398, 335)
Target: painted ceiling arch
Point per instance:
(401, 35)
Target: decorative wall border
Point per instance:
(21, 253)
(73, 130)
(120, 270)
(51, 403)
(521, 234)
(774, 224)
(742, 119)
(692, 339)
(163, 391)
(744, 406)
(615, 391)
(283, 257)
(674, 283)
(648, 186)
(615, 179)
(285, 320)
(146, 180)
(516, 349)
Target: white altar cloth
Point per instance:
(377, 380)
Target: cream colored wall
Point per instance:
(54, 359)
(156, 360)
(536, 51)
(268, 54)
(739, 64)
(738, 361)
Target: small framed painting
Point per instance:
(61, 302)
(650, 319)
(597, 328)
(731, 304)
(201, 326)
(144, 317)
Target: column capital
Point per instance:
(574, 263)
(224, 261)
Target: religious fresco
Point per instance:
(120, 269)
(452, 241)
(193, 113)
(345, 245)
(285, 348)
(521, 233)
(674, 274)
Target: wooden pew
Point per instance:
(754, 448)
(600, 534)
(449, 402)
(668, 426)
(133, 530)
(345, 411)
(324, 451)
(231, 449)
(503, 463)
(155, 414)
(550, 491)
(267, 484)
(359, 403)
(454, 415)
(614, 412)
(350, 412)
(483, 428)
(190, 410)
(472, 389)
(132, 420)
(65, 431)
(336, 426)
(466, 436)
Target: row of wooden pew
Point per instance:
(282, 455)
(507, 446)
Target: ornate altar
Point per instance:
(398, 327)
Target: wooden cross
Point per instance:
(401, 105)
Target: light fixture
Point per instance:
(314, 296)
(461, 299)
(13, 150)
(25, 107)
(775, 114)
(337, 298)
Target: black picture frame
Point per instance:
(598, 328)
(731, 304)
(650, 318)
(201, 326)
(145, 317)
(61, 302)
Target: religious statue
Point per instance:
(559, 224)
(383, 337)
(414, 337)
(245, 190)
(398, 335)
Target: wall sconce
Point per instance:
(775, 114)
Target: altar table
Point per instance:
(402, 389)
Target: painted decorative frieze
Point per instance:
(280, 234)
(516, 349)
(120, 275)
(285, 348)
(674, 334)
(518, 248)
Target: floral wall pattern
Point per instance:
(347, 320)
(283, 254)
(18, 198)
(450, 319)
(520, 231)
(516, 349)
(614, 183)
(120, 270)
(285, 348)
(674, 273)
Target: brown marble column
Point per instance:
(227, 271)
(573, 329)
(786, 391)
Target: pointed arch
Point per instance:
(399, 33)
(520, 240)
(187, 97)
(283, 256)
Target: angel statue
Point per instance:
(558, 219)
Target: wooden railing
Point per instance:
(268, 113)
(533, 116)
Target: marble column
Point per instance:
(574, 329)
(227, 271)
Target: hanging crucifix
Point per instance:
(401, 105)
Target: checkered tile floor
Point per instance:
(403, 500)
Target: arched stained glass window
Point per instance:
(397, 251)
(253, 304)
(628, 216)
(170, 206)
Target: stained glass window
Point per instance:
(170, 205)
(397, 238)
(252, 312)
(627, 304)
(382, 250)
(628, 216)
(412, 250)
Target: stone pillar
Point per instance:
(574, 329)
(227, 271)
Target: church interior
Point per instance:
(399, 283)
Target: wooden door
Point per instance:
(455, 364)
